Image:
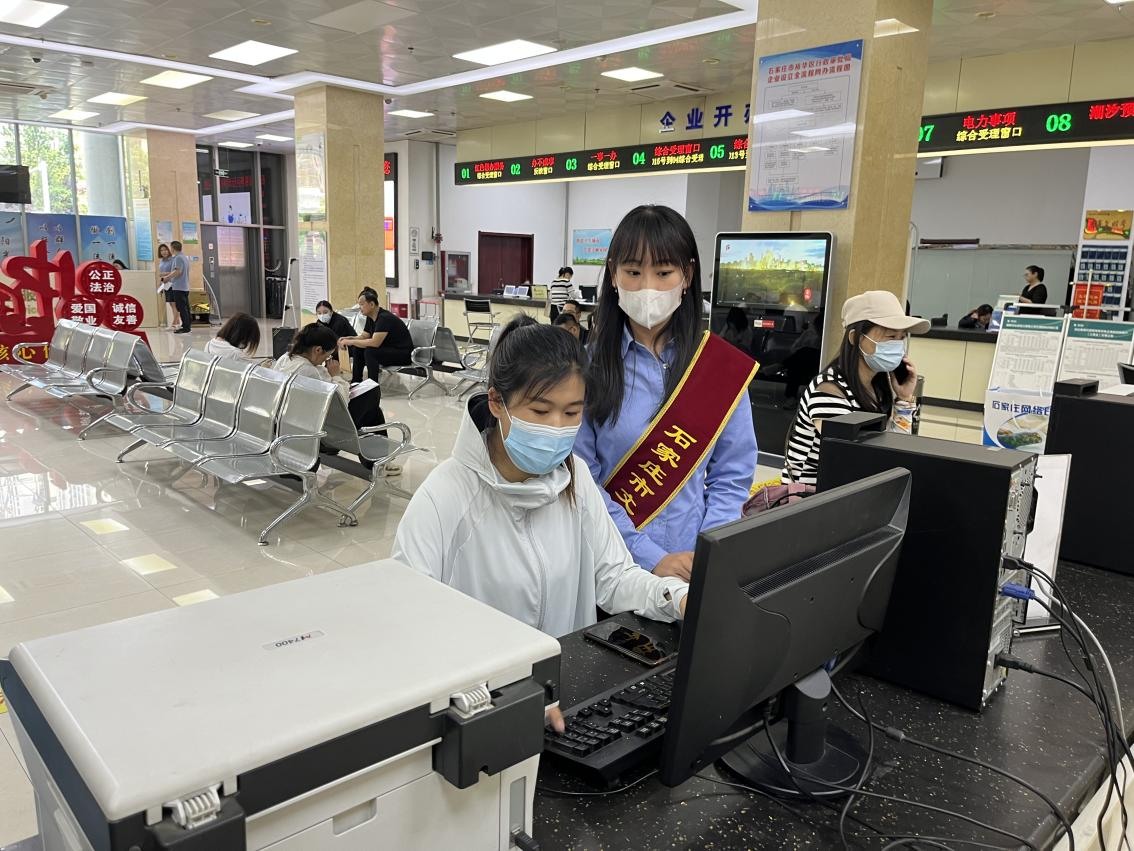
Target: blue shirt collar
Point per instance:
(628, 340)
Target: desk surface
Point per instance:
(962, 335)
(1034, 727)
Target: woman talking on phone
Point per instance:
(870, 373)
(668, 426)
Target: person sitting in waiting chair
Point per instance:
(237, 339)
(385, 342)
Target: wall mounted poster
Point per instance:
(164, 232)
(104, 238)
(312, 269)
(190, 233)
(57, 228)
(11, 235)
(805, 121)
(143, 239)
(589, 247)
(1112, 225)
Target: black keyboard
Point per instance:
(615, 731)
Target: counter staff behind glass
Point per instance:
(1034, 290)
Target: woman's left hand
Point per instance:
(906, 390)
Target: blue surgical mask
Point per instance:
(888, 355)
(538, 449)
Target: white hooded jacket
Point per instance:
(523, 548)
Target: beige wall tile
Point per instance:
(941, 79)
(565, 133)
(514, 140)
(613, 127)
(474, 144)
(1100, 69)
(1015, 79)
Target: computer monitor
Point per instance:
(510, 290)
(1126, 372)
(589, 292)
(775, 598)
(781, 270)
(522, 291)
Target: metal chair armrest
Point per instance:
(16, 349)
(274, 447)
(371, 431)
(133, 389)
(422, 350)
(89, 377)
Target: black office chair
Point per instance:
(939, 321)
(481, 319)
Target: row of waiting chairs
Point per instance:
(435, 350)
(83, 360)
(238, 421)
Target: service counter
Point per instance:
(506, 309)
(1035, 727)
(956, 365)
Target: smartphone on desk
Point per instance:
(630, 642)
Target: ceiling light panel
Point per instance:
(271, 137)
(231, 115)
(28, 13)
(632, 75)
(175, 80)
(73, 115)
(359, 18)
(252, 53)
(116, 99)
(411, 113)
(506, 96)
(507, 51)
(235, 144)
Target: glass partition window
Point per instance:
(46, 151)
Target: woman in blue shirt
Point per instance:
(165, 272)
(647, 333)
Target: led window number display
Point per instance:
(722, 152)
(1063, 123)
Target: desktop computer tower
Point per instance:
(1095, 429)
(970, 506)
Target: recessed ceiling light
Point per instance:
(271, 137)
(28, 13)
(891, 26)
(252, 53)
(116, 99)
(632, 75)
(1117, 2)
(411, 113)
(235, 144)
(507, 51)
(231, 115)
(73, 114)
(361, 17)
(506, 96)
(175, 80)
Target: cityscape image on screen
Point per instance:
(761, 271)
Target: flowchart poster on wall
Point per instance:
(1094, 348)
(590, 246)
(57, 228)
(190, 233)
(312, 269)
(104, 238)
(1017, 405)
(805, 120)
(143, 239)
(164, 230)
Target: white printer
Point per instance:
(367, 708)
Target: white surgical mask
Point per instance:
(324, 318)
(650, 308)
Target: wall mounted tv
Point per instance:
(772, 270)
(15, 184)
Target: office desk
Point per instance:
(1035, 728)
(506, 310)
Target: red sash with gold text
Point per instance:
(684, 431)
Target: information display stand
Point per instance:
(1094, 348)
(1017, 404)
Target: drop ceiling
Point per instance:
(403, 43)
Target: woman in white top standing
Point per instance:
(238, 338)
(870, 373)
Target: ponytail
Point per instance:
(314, 335)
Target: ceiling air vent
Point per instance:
(22, 89)
(664, 90)
(423, 134)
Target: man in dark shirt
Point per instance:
(978, 319)
(385, 341)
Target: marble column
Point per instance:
(339, 181)
(172, 161)
(872, 233)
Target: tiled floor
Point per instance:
(86, 541)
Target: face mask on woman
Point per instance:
(325, 318)
(538, 449)
(887, 356)
(650, 308)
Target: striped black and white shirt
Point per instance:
(559, 291)
(801, 461)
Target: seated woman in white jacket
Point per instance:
(238, 338)
(512, 518)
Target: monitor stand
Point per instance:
(810, 745)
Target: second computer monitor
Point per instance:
(773, 599)
(772, 270)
